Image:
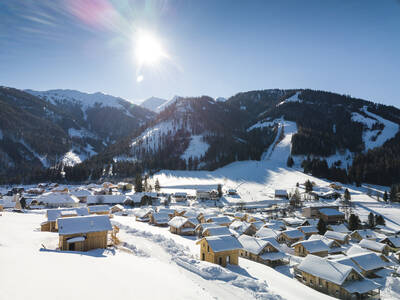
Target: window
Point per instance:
(208, 248)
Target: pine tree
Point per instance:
(371, 220)
(290, 162)
(347, 196)
(308, 186)
(157, 185)
(295, 199)
(385, 196)
(138, 183)
(354, 222)
(321, 226)
(219, 190)
(379, 220)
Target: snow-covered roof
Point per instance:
(394, 240)
(76, 239)
(365, 261)
(142, 212)
(220, 230)
(293, 233)
(220, 220)
(118, 206)
(180, 194)
(57, 198)
(273, 256)
(168, 211)
(81, 192)
(83, 224)
(54, 214)
(335, 235)
(372, 245)
(361, 286)
(339, 228)
(240, 227)
(177, 221)
(160, 217)
(308, 229)
(356, 249)
(293, 221)
(365, 233)
(98, 208)
(281, 192)
(252, 244)
(107, 199)
(264, 232)
(223, 243)
(326, 269)
(330, 212)
(313, 246)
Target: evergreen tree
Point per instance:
(371, 220)
(23, 202)
(138, 183)
(219, 190)
(347, 196)
(295, 199)
(379, 220)
(321, 226)
(385, 196)
(354, 222)
(290, 162)
(157, 185)
(308, 186)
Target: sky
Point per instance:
(207, 47)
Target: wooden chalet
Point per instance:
(308, 230)
(341, 238)
(290, 236)
(374, 246)
(83, 233)
(315, 247)
(53, 214)
(331, 215)
(358, 235)
(221, 250)
(182, 226)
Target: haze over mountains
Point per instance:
(356, 139)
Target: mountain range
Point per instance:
(330, 135)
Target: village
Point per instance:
(311, 235)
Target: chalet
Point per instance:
(125, 186)
(240, 216)
(60, 189)
(221, 250)
(276, 225)
(265, 232)
(200, 229)
(159, 218)
(58, 200)
(143, 214)
(392, 241)
(341, 238)
(168, 211)
(266, 252)
(243, 228)
(117, 208)
(180, 196)
(335, 279)
(308, 230)
(35, 191)
(232, 192)
(202, 195)
(108, 199)
(83, 233)
(281, 194)
(338, 228)
(334, 246)
(53, 214)
(99, 209)
(222, 221)
(358, 235)
(81, 194)
(194, 214)
(292, 222)
(368, 264)
(258, 224)
(310, 221)
(182, 226)
(315, 247)
(1, 205)
(374, 246)
(314, 211)
(331, 216)
(290, 236)
(213, 231)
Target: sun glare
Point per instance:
(148, 49)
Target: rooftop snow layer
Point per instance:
(84, 224)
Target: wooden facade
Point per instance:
(221, 258)
(186, 229)
(258, 257)
(300, 250)
(92, 240)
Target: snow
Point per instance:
(372, 245)
(70, 159)
(76, 239)
(217, 231)
(366, 261)
(335, 235)
(177, 221)
(223, 243)
(58, 199)
(98, 208)
(107, 199)
(197, 148)
(220, 99)
(313, 246)
(153, 103)
(331, 212)
(83, 224)
(54, 214)
(43, 158)
(252, 244)
(389, 131)
(294, 98)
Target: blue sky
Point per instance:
(215, 48)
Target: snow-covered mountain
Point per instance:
(153, 103)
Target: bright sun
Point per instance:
(148, 49)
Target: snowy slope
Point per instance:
(197, 148)
(153, 103)
(375, 137)
(85, 99)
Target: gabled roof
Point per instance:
(83, 224)
(178, 222)
(339, 228)
(160, 217)
(372, 245)
(107, 199)
(394, 240)
(369, 261)
(308, 229)
(98, 208)
(252, 244)
(326, 269)
(264, 232)
(142, 212)
(220, 220)
(54, 214)
(220, 230)
(335, 235)
(313, 246)
(57, 198)
(240, 227)
(223, 243)
(293, 233)
(365, 233)
(330, 212)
